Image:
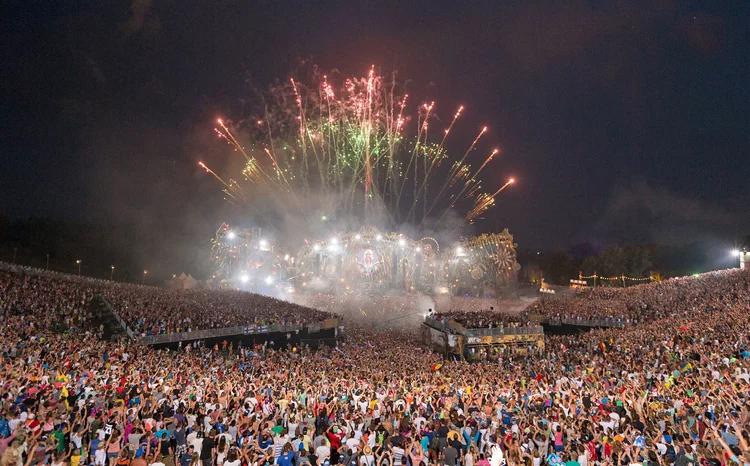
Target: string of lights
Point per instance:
(616, 278)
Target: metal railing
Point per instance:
(214, 332)
(492, 332)
(122, 323)
(610, 323)
(437, 324)
(229, 331)
(218, 332)
(484, 332)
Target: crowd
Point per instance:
(65, 299)
(673, 388)
(52, 302)
(154, 311)
(648, 302)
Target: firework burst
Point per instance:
(352, 149)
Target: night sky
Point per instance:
(622, 121)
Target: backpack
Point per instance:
(380, 437)
(670, 453)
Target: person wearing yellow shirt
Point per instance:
(283, 403)
(76, 455)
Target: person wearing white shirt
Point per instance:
(13, 423)
(196, 442)
(367, 458)
(323, 451)
(607, 425)
(100, 457)
(419, 422)
(469, 457)
(583, 456)
(352, 443)
(292, 428)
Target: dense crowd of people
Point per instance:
(672, 388)
(153, 311)
(54, 302)
(146, 310)
(648, 302)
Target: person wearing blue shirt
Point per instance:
(506, 418)
(286, 457)
(729, 437)
(265, 442)
(4, 427)
(187, 457)
(425, 442)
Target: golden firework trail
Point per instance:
(485, 201)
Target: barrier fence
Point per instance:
(120, 321)
(523, 329)
(483, 332)
(610, 323)
(491, 332)
(226, 332)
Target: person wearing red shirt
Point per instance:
(33, 425)
(334, 436)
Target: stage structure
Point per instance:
(243, 258)
(483, 265)
(480, 344)
(365, 261)
(371, 261)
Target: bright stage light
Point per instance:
(231, 235)
(334, 240)
(269, 280)
(286, 257)
(736, 253)
(459, 250)
(419, 249)
(316, 247)
(379, 237)
(263, 243)
(401, 242)
(357, 236)
(244, 279)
